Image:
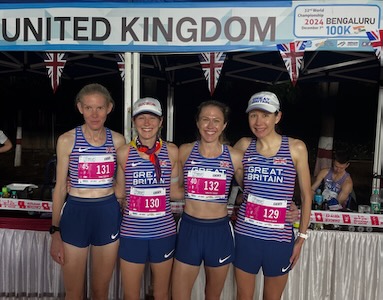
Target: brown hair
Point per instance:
(225, 111)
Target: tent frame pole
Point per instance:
(378, 153)
(131, 90)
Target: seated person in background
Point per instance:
(337, 183)
(5, 142)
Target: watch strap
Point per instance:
(53, 229)
(303, 235)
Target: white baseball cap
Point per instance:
(266, 101)
(147, 105)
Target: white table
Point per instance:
(333, 265)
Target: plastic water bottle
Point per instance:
(318, 199)
(5, 192)
(375, 202)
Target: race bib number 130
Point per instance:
(147, 202)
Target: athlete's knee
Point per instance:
(244, 294)
(72, 295)
(162, 294)
(100, 295)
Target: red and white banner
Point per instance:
(346, 218)
(292, 55)
(55, 63)
(376, 41)
(25, 204)
(212, 63)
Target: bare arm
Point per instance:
(318, 180)
(119, 189)
(6, 147)
(243, 144)
(118, 139)
(64, 146)
(345, 191)
(300, 157)
(183, 153)
(176, 190)
(236, 156)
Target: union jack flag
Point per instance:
(279, 161)
(55, 63)
(376, 41)
(212, 63)
(121, 65)
(224, 164)
(292, 54)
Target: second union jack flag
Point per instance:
(376, 41)
(121, 65)
(292, 55)
(212, 63)
(55, 63)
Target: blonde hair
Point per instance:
(94, 88)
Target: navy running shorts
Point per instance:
(90, 221)
(251, 254)
(141, 251)
(211, 241)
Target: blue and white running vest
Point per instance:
(208, 179)
(268, 190)
(92, 166)
(148, 213)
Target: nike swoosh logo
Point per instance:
(83, 149)
(136, 164)
(285, 269)
(222, 260)
(193, 162)
(251, 158)
(166, 255)
(113, 236)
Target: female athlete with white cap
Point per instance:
(264, 238)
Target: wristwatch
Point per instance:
(303, 235)
(53, 229)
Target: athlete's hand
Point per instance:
(296, 252)
(57, 248)
(122, 202)
(292, 215)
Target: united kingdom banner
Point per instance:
(55, 62)
(212, 63)
(376, 41)
(292, 54)
(121, 65)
